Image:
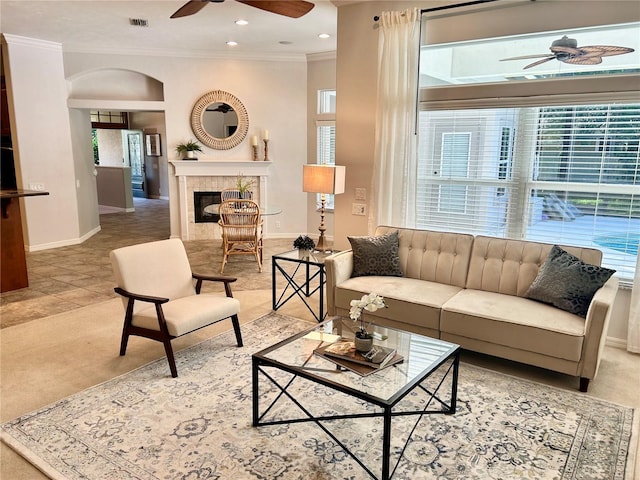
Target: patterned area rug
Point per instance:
(147, 425)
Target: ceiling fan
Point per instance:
(221, 107)
(288, 8)
(566, 50)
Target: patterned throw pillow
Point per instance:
(567, 282)
(376, 255)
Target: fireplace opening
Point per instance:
(202, 200)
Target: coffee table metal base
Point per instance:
(260, 367)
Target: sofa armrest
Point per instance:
(339, 267)
(596, 326)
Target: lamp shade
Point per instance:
(323, 179)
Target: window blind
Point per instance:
(326, 134)
(568, 175)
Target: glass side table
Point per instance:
(303, 277)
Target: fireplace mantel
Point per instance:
(220, 168)
(194, 175)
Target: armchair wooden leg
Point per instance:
(172, 361)
(236, 329)
(124, 341)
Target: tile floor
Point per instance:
(67, 278)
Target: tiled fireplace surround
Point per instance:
(213, 176)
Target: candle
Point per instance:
(254, 140)
(266, 135)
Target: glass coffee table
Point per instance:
(429, 371)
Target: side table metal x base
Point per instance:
(292, 288)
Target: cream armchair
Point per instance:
(160, 298)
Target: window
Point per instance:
(574, 178)
(103, 119)
(327, 101)
(533, 163)
(326, 137)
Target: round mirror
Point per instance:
(219, 120)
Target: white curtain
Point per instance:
(394, 172)
(633, 333)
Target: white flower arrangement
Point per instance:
(369, 302)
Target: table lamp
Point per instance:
(323, 179)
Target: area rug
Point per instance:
(147, 425)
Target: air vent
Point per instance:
(139, 22)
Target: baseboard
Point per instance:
(62, 243)
(616, 342)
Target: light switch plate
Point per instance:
(358, 209)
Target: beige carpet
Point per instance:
(147, 425)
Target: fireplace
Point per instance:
(209, 177)
(201, 200)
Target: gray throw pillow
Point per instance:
(566, 282)
(377, 255)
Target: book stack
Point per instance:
(344, 354)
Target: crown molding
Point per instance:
(150, 52)
(10, 39)
(318, 57)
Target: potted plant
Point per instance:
(189, 148)
(369, 302)
(243, 186)
(305, 246)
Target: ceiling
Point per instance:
(103, 26)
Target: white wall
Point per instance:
(273, 92)
(110, 150)
(321, 75)
(85, 173)
(42, 141)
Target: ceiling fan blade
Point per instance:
(539, 62)
(583, 60)
(540, 55)
(189, 8)
(607, 50)
(288, 8)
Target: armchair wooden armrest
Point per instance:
(142, 298)
(214, 278)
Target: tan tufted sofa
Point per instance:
(470, 291)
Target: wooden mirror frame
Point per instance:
(201, 134)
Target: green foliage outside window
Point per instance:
(94, 140)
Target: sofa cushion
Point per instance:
(514, 321)
(567, 282)
(410, 301)
(376, 255)
(508, 266)
(441, 257)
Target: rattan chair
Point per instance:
(160, 299)
(241, 228)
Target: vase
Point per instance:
(363, 344)
(303, 253)
(191, 154)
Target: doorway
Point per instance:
(134, 158)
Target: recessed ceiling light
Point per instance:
(231, 43)
(242, 22)
(324, 35)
